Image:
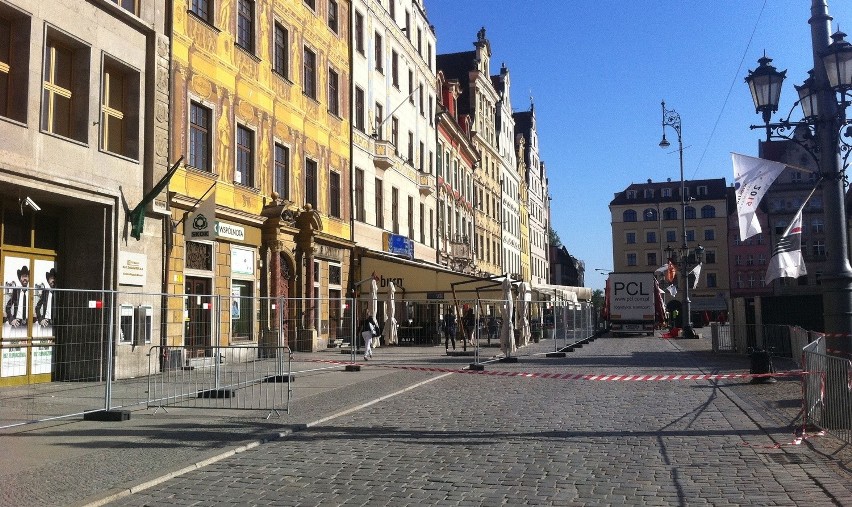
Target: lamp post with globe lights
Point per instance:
(825, 134)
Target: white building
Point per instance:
(510, 181)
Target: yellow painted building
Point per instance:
(260, 115)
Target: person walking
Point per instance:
(369, 330)
(492, 328)
(469, 325)
(449, 329)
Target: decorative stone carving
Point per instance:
(245, 111)
(201, 86)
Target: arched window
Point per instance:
(630, 215)
(708, 212)
(669, 214)
(650, 214)
(690, 212)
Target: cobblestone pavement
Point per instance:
(465, 439)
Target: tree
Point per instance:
(553, 237)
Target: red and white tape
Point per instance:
(580, 376)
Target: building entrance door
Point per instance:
(198, 323)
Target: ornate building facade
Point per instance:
(261, 114)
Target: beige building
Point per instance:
(646, 220)
(84, 129)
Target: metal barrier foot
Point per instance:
(107, 415)
(353, 367)
(476, 367)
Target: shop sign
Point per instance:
(242, 261)
(132, 268)
(400, 245)
(434, 295)
(230, 231)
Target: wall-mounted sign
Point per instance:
(434, 295)
(200, 223)
(400, 245)
(242, 261)
(132, 268)
(230, 231)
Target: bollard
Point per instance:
(761, 362)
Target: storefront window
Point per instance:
(242, 309)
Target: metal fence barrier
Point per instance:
(234, 377)
(827, 390)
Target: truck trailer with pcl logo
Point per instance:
(633, 302)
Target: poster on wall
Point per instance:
(16, 300)
(44, 298)
(13, 361)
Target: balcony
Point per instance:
(384, 155)
(426, 184)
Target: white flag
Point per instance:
(695, 272)
(660, 271)
(786, 258)
(752, 178)
(672, 290)
(200, 223)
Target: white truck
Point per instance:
(632, 302)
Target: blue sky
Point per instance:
(597, 71)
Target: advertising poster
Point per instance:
(13, 361)
(44, 298)
(16, 298)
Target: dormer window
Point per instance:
(667, 192)
(649, 193)
(702, 190)
(631, 194)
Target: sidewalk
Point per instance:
(75, 462)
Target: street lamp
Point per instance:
(826, 138)
(672, 119)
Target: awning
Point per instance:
(422, 280)
(565, 291)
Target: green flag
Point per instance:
(137, 216)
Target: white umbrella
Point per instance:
(507, 329)
(390, 323)
(524, 321)
(565, 312)
(374, 298)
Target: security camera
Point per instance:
(29, 202)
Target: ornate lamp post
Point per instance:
(672, 119)
(686, 259)
(824, 134)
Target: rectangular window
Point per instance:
(334, 196)
(380, 205)
(244, 173)
(65, 92)
(819, 248)
(379, 119)
(312, 4)
(359, 109)
(128, 5)
(709, 234)
(650, 237)
(411, 86)
(201, 8)
(395, 132)
(395, 69)
(395, 210)
(652, 259)
(711, 280)
(333, 93)
(14, 40)
(422, 224)
(332, 16)
(360, 212)
(242, 309)
(410, 158)
(420, 100)
(631, 259)
(311, 183)
(419, 41)
(379, 53)
(119, 110)
(281, 56)
(631, 238)
(392, 9)
(410, 217)
(431, 228)
(245, 25)
(690, 235)
(200, 140)
(281, 183)
(309, 75)
(710, 256)
(422, 155)
(359, 32)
